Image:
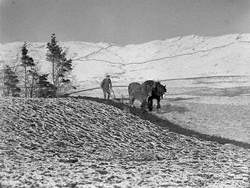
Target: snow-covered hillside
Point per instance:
(180, 57)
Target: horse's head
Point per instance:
(160, 89)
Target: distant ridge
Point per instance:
(179, 57)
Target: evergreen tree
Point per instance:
(27, 63)
(61, 66)
(10, 83)
(44, 87)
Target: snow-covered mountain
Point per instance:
(180, 57)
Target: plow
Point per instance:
(114, 97)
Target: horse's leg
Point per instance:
(150, 103)
(158, 103)
(142, 103)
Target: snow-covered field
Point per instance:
(218, 107)
(80, 143)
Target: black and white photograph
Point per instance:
(124, 93)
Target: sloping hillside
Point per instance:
(180, 57)
(76, 142)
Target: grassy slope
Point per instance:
(77, 142)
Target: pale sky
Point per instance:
(120, 21)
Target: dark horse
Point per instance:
(157, 92)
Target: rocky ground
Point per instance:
(80, 143)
